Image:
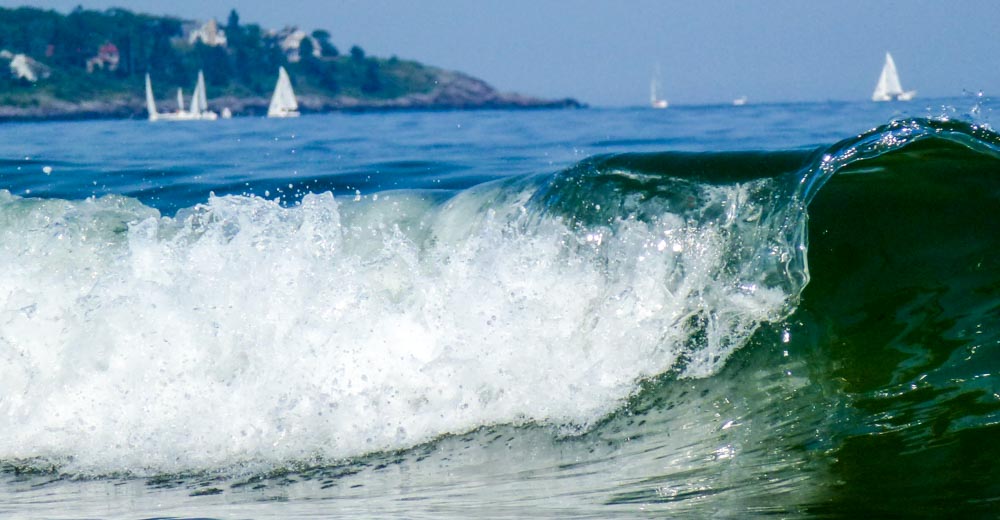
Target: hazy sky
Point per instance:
(604, 52)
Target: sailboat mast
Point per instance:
(199, 100)
(150, 101)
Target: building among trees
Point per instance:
(209, 34)
(107, 58)
(290, 39)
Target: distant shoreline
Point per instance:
(460, 92)
(92, 65)
(257, 107)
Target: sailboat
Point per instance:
(199, 104)
(150, 102)
(283, 103)
(154, 115)
(888, 87)
(654, 96)
(180, 103)
(199, 101)
(655, 100)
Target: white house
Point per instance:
(210, 34)
(22, 66)
(290, 38)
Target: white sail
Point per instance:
(654, 91)
(180, 114)
(283, 102)
(202, 97)
(199, 93)
(888, 87)
(150, 101)
(199, 101)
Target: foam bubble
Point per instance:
(241, 330)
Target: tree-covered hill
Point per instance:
(93, 63)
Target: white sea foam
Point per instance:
(241, 330)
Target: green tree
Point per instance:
(234, 33)
(371, 82)
(328, 77)
(357, 53)
(214, 62)
(306, 50)
(233, 23)
(325, 47)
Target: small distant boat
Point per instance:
(740, 101)
(154, 115)
(180, 102)
(655, 100)
(199, 105)
(199, 101)
(283, 102)
(888, 87)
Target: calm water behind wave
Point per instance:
(174, 166)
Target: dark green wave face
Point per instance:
(905, 298)
(879, 395)
(878, 392)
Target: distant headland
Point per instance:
(92, 64)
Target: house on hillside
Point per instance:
(107, 58)
(210, 34)
(24, 67)
(290, 39)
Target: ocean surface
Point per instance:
(786, 310)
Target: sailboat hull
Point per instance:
(283, 114)
(174, 116)
(180, 114)
(185, 116)
(902, 96)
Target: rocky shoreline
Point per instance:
(455, 91)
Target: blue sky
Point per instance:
(604, 52)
